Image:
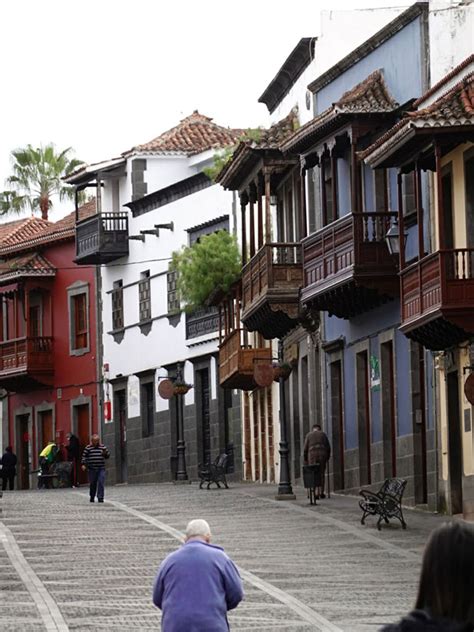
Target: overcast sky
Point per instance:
(104, 75)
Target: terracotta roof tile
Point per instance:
(456, 107)
(47, 232)
(260, 140)
(31, 264)
(370, 96)
(20, 230)
(194, 134)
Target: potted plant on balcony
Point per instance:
(207, 268)
(281, 370)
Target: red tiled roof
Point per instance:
(31, 264)
(20, 230)
(464, 64)
(260, 140)
(370, 96)
(194, 134)
(455, 108)
(49, 233)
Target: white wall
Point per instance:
(164, 344)
(340, 33)
(451, 36)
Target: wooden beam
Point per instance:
(268, 212)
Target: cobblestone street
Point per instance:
(69, 565)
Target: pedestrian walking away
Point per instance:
(8, 462)
(317, 449)
(73, 455)
(197, 584)
(93, 460)
(445, 592)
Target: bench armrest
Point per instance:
(368, 495)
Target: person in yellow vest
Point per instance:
(47, 457)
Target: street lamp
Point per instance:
(285, 491)
(179, 389)
(392, 238)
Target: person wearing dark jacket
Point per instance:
(317, 449)
(445, 600)
(93, 460)
(73, 454)
(8, 461)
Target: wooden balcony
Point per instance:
(347, 266)
(237, 361)
(438, 298)
(271, 283)
(102, 238)
(25, 363)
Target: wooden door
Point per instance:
(83, 434)
(388, 410)
(24, 452)
(363, 418)
(337, 418)
(121, 439)
(455, 443)
(46, 428)
(205, 417)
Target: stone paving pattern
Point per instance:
(98, 561)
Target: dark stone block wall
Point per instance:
(153, 459)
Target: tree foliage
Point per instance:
(211, 264)
(222, 157)
(37, 176)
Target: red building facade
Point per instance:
(48, 341)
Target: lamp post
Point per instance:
(181, 473)
(285, 491)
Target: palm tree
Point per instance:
(37, 176)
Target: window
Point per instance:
(329, 204)
(408, 193)
(144, 296)
(79, 341)
(148, 406)
(173, 294)
(35, 321)
(381, 190)
(117, 305)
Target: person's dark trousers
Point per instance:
(8, 478)
(45, 483)
(96, 480)
(322, 465)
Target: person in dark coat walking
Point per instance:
(445, 601)
(73, 454)
(197, 585)
(317, 449)
(9, 462)
(93, 460)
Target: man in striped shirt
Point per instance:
(93, 460)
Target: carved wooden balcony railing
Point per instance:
(202, 321)
(347, 266)
(25, 361)
(271, 283)
(102, 238)
(438, 298)
(237, 361)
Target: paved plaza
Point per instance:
(67, 564)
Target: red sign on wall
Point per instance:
(107, 411)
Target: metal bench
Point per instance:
(386, 503)
(214, 472)
(60, 475)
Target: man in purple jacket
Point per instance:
(197, 584)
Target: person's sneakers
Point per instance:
(92, 500)
(323, 495)
(101, 500)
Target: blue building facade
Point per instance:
(375, 384)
